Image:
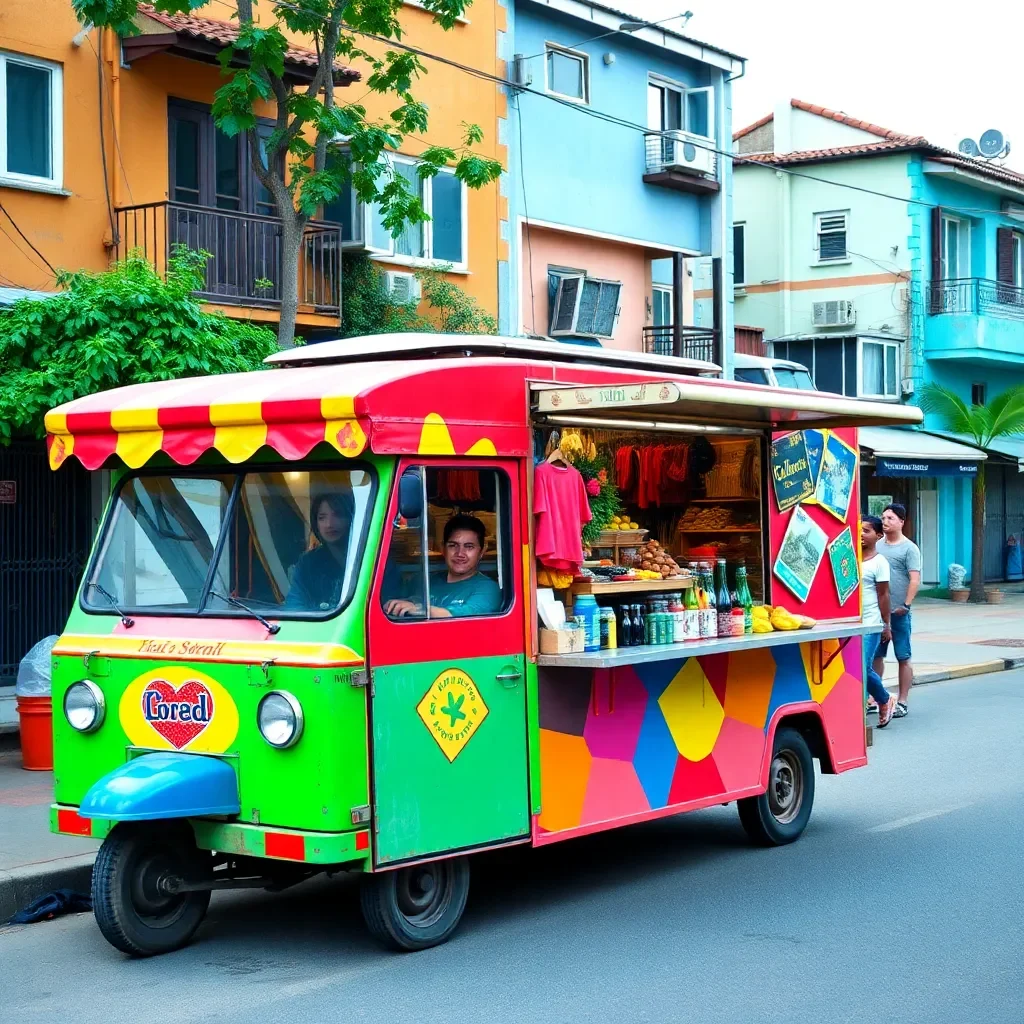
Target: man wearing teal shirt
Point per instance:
(460, 589)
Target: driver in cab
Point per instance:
(460, 588)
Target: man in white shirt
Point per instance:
(874, 575)
(904, 558)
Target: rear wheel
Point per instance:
(780, 814)
(418, 906)
(131, 888)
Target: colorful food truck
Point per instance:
(397, 600)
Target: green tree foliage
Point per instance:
(367, 307)
(311, 117)
(126, 325)
(981, 424)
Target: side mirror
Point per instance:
(410, 495)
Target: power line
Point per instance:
(28, 241)
(632, 125)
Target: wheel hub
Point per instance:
(785, 787)
(423, 892)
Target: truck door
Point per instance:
(447, 653)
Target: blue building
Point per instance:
(887, 262)
(617, 190)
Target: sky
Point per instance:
(914, 66)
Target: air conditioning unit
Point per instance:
(680, 152)
(402, 287)
(834, 313)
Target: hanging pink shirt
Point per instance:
(562, 509)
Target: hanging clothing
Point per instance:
(562, 510)
(458, 485)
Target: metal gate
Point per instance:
(45, 531)
(1004, 514)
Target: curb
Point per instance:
(20, 886)
(979, 668)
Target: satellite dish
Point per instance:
(969, 147)
(991, 143)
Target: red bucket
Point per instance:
(36, 714)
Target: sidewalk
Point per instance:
(952, 640)
(949, 641)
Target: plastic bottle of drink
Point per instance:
(722, 599)
(709, 609)
(743, 591)
(691, 608)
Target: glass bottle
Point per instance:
(625, 626)
(722, 599)
(691, 607)
(743, 590)
(709, 608)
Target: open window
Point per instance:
(584, 306)
(450, 550)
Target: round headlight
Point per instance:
(280, 719)
(84, 706)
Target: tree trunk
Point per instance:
(978, 536)
(292, 225)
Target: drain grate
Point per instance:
(1007, 642)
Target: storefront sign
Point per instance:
(620, 396)
(924, 467)
(8, 492)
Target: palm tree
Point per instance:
(981, 424)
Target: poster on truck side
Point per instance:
(791, 470)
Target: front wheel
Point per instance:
(780, 814)
(132, 897)
(416, 907)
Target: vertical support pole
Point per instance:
(678, 270)
(718, 320)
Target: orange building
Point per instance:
(108, 145)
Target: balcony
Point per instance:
(691, 342)
(974, 320)
(245, 264)
(682, 162)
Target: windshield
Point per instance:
(287, 543)
(788, 378)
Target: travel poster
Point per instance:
(791, 471)
(801, 553)
(835, 481)
(845, 569)
(814, 441)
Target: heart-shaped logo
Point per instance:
(179, 715)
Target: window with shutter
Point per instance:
(830, 236)
(584, 306)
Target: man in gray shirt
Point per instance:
(904, 558)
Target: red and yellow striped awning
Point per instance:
(442, 407)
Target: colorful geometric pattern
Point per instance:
(628, 742)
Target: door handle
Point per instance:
(509, 679)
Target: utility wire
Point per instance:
(28, 242)
(613, 32)
(632, 125)
(113, 126)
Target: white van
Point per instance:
(777, 373)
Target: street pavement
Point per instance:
(903, 902)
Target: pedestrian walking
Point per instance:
(875, 611)
(904, 558)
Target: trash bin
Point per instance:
(35, 709)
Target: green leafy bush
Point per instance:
(126, 325)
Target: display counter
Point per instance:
(642, 654)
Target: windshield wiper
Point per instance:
(125, 620)
(272, 627)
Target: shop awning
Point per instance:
(1011, 448)
(914, 453)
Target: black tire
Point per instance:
(416, 907)
(780, 815)
(131, 911)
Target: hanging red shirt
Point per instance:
(562, 509)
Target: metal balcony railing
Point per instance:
(679, 151)
(245, 263)
(694, 342)
(977, 295)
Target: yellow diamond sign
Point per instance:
(452, 709)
